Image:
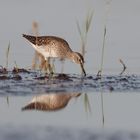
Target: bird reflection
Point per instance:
(50, 102)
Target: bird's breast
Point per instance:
(46, 51)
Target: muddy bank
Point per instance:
(26, 82)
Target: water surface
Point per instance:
(81, 115)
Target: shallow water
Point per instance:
(84, 111)
(35, 82)
(90, 107)
(69, 106)
(80, 118)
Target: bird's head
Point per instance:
(79, 59)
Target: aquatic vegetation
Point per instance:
(107, 8)
(83, 32)
(102, 55)
(35, 31)
(7, 55)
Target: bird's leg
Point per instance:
(42, 65)
(50, 67)
(35, 60)
(62, 68)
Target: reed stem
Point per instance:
(7, 55)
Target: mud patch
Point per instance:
(26, 82)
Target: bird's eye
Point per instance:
(79, 60)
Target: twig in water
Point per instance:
(124, 66)
(99, 74)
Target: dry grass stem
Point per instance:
(35, 31)
(7, 55)
(103, 50)
(83, 32)
(16, 67)
(107, 7)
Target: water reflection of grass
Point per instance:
(87, 104)
(102, 108)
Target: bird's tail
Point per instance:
(30, 38)
(36, 106)
(25, 36)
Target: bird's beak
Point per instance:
(83, 70)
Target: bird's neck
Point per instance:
(69, 55)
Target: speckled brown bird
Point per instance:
(50, 102)
(56, 47)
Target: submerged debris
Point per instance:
(41, 77)
(99, 74)
(111, 88)
(3, 77)
(3, 70)
(18, 70)
(17, 77)
(54, 77)
(22, 81)
(62, 77)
